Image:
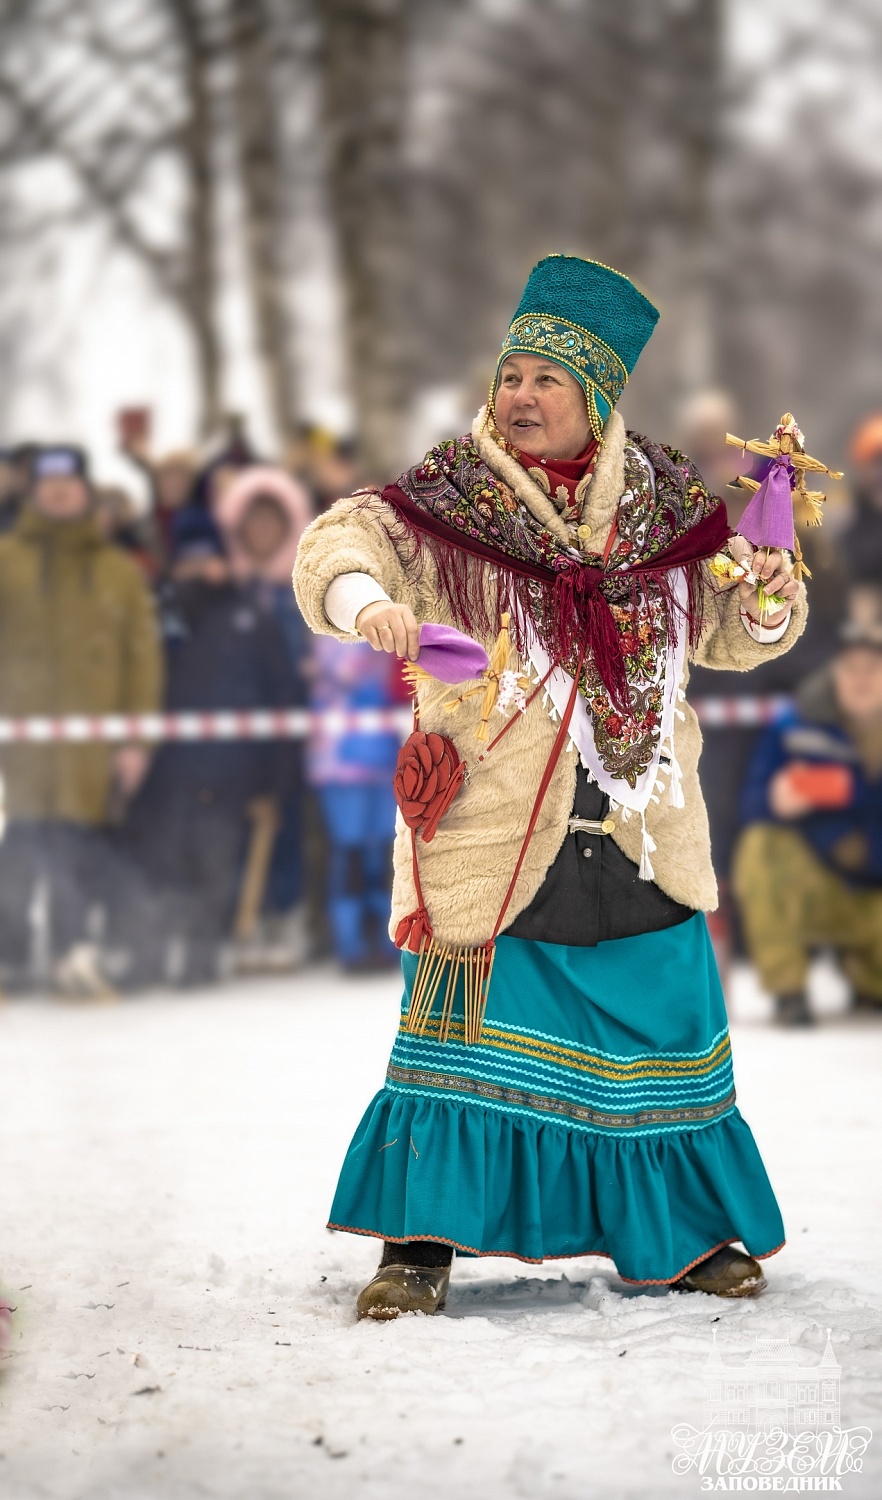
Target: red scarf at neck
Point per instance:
(562, 473)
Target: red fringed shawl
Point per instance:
(491, 553)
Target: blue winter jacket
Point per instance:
(848, 839)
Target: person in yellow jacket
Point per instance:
(77, 636)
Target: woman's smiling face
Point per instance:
(541, 408)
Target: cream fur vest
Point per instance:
(466, 869)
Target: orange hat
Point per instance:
(866, 440)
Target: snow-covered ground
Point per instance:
(185, 1325)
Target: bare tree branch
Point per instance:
(45, 139)
(261, 175)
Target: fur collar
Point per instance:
(604, 489)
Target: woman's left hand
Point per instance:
(774, 570)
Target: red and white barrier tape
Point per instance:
(227, 724)
(722, 713)
(298, 723)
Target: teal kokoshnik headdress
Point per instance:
(588, 318)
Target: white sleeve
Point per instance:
(347, 596)
(766, 635)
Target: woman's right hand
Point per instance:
(390, 627)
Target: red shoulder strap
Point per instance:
(544, 784)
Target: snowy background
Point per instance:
(726, 153)
(185, 1324)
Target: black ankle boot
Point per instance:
(793, 1010)
(412, 1277)
(416, 1253)
(726, 1273)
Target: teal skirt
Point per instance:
(596, 1117)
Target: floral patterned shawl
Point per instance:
(492, 555)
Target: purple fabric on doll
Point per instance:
(768, 519)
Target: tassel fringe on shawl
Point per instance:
(563, 598)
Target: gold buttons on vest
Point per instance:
(583, 533)
(607, 825)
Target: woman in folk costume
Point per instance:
(561, 1083)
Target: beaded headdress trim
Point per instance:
(590, 359)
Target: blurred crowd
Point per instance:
(126, 866)
(795, 806)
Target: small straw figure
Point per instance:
(494, 678)
(768, 520)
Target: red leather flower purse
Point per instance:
(428, 775)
